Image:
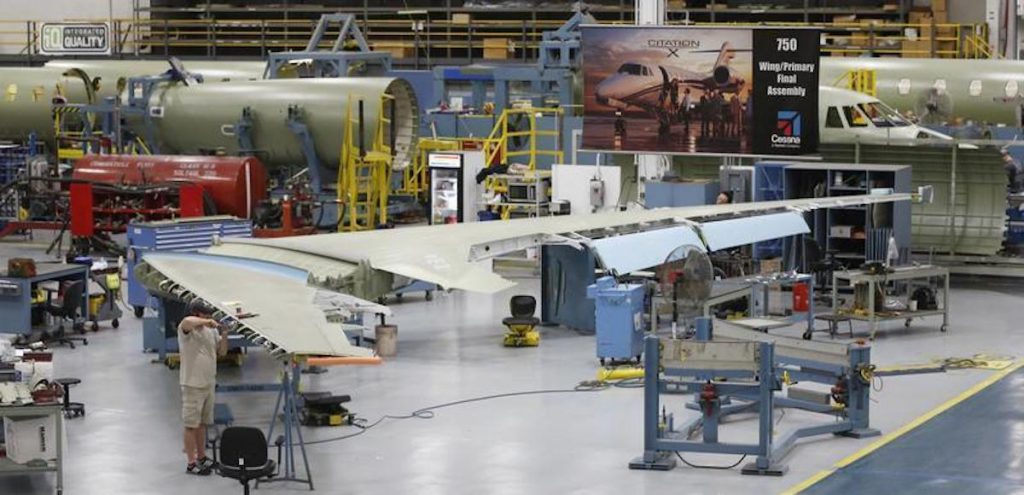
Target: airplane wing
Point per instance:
(279, 279)
(269, 303)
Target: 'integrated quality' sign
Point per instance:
(74, 38)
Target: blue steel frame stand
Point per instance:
(662, 442)
(297, 124)
(287, 408)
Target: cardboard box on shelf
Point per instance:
(946, 49)
(945, 31)
(920, 48)
(771, 265)
(919, 17)
(397, 49)
(460, 19)
(496, 48)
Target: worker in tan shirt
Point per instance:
(200, 341)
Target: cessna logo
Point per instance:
(787, 129)
(673, 46)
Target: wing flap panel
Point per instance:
(725, 234)
(632, 252)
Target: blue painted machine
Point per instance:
(738, 370)
(620, 319)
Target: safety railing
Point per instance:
(433, 40)
(214, 37)
(365, 169)
(911, 40)
(414, 176)
(519, 127)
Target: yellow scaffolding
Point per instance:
(860, 80)
(501, 147)
(414, 177)
(510, 128)
(515, 136)
(364, 176)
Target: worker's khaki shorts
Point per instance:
(196, 406)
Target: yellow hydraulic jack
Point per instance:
(522, 325)
(521, 336)
(614, 374)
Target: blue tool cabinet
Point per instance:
(620, 319)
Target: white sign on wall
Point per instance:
(444, 160)
(74, 38)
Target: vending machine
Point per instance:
(454, 192)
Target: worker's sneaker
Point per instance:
(206, 462)
(198, 469)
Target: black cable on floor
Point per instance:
(428, 412)
(701, 466)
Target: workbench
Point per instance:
(16, 294)
(755, 289)
(54, 410)
(725, 290)
(911, 276)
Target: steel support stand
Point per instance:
(287, 408)
(652, 459)
(859, 404)
(766, 464)
(296, 123)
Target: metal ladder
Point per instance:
(364, 175)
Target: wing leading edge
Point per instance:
(457, 256)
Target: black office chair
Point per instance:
(522, 325)
(243, 456)
(67, 308)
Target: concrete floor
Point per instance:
(975, 447)
(562, 443)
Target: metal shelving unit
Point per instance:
(863, 232)
(445, 31)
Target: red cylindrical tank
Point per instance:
(235, 183)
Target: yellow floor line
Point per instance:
(805, 484)
(850, 459)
